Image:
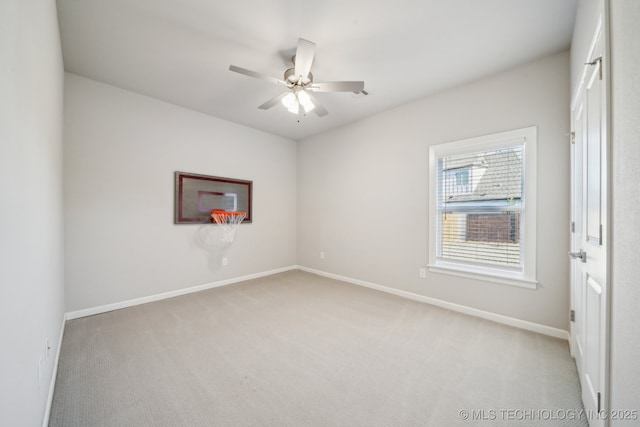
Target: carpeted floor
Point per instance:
(296, 349)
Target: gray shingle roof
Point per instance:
(493, 175)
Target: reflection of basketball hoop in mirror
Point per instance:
(229, 221)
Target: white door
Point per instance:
(589, 270)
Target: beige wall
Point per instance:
(31, 263)
(120, 151)
(362, 190)
(625, 153)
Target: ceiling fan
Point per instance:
(299, 83)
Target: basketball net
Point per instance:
(229, 222)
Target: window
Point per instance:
(457, 181)
(482, 207)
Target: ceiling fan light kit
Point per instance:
(296, 98)
(299, 82)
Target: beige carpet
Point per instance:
(296, 349)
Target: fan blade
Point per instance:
(319, 109)
(256, 75)
(355, 87)
(304, 58)
(273, 101)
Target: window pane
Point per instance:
(489, 176)
(486, 238)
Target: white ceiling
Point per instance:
(179, 51)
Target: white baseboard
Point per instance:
(54, 375)
(511, 321)
(157, 297)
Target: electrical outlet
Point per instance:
(225, 261)
(422, 272)
(321, 255)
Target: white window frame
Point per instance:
(527, 138)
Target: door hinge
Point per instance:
(572, 137)
(573, 315)
(599, 407)
(600, 242)
(573, 226)
(597, 61)
(600, 76)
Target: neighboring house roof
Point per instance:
(493, 176)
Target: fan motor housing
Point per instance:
(290, 77)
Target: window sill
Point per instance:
(479, 274)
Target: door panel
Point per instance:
(591, 368)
